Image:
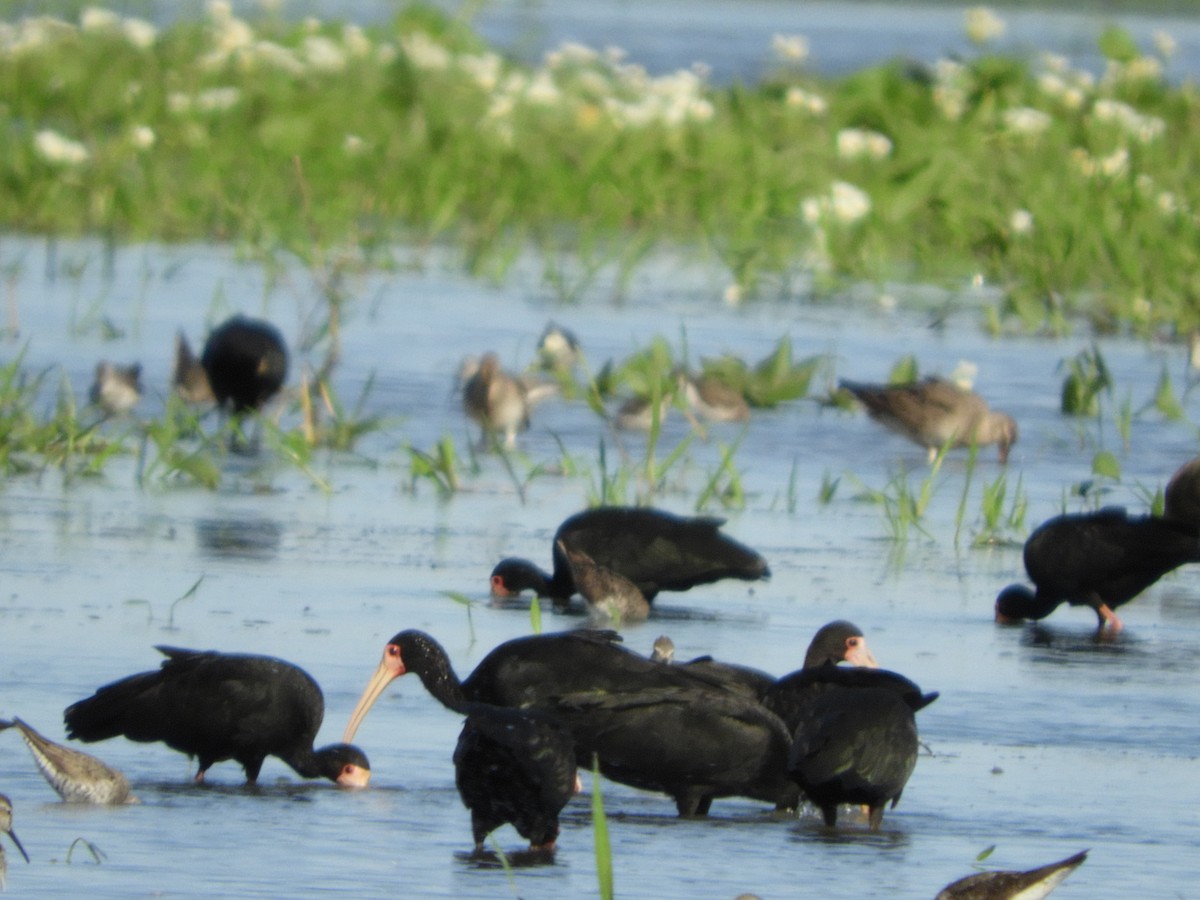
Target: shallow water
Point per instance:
(1043, 742)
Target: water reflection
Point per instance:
(513, 859)
(1073, 642)
(255, 538)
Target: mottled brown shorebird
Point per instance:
(610, 596)
(188, 378)
(714, 400)
(497, 401)
(936, 413)
(6, 827)
(116, 389)
(1031, 885)
(77, 777)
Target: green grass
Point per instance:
(330, 144)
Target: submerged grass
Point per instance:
(1072, 191)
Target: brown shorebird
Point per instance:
(77, 776)
(558, 348)
(188, 377)
(936, 413)
(497, 401)
(116, 389)
(663, 650)
(6, 827)
(610, 596)
(714, 400)
(1031, 885)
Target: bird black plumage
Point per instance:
(514, 766)
(653, 726)
(246, 363)
(656, 550)
(218, 706)
(1100, 559)
(855, 741)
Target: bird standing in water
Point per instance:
(77, 777)
(188, 378)
(218, 706)
(655, 549)
(610, 596)
(514, 766)
(935, 413)
(6, 827)
(116, 389)
(495, 401)
(246, 363)
(1100, 559)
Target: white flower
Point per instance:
(983, 25)
(806, 100)
(484, 69)
(278, 57)
(355, 40)
(734, 294)
(849, 203)
(353, 145)
(55, 148)
(790, 48)
(94, 18)
(323, 54)
(570, 53)
(217, 99)
(1165, 44)
(1021, 221)
(142, 137)
(1026, 120)
(964, 374)
(1167, 203)
(542, 90)
(862, 143)
(1144, 128)
(139, 33)
(844, 203)
(424, 52)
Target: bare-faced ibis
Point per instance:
(246, 363)
(1099, 559)
(652, 726)
(116, 389)
(1033, 884)
(656, 550)
(78, 777)
(218, 706)
(514, 766)
(856, 741)
(935, 413)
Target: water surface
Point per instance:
(1043, 743)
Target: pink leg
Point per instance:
(1109, 618)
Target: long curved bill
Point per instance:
(379, 681)
(860, 655)
(12, 834)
